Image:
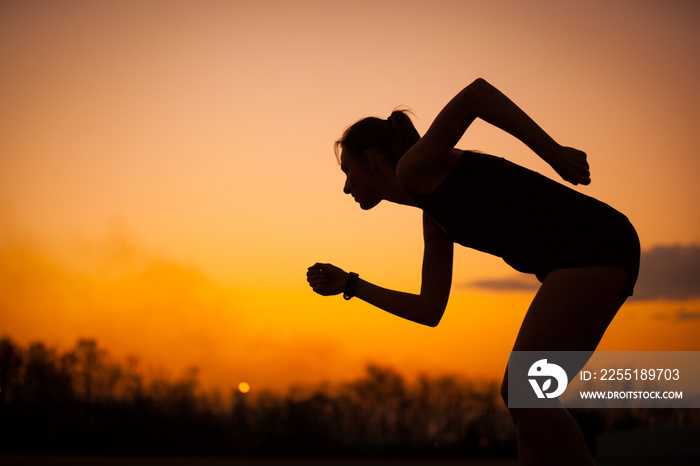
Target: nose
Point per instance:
(346, 188)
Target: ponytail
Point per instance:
(406, 134)
(393, 136)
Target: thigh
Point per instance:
(571, 312)
(572, 309)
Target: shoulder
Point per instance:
(425, 176)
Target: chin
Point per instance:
(368, 205)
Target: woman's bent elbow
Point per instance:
(479, 83)
(434, 316)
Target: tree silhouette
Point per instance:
(81, 402)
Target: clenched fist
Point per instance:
(326, 279)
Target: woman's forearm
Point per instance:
(413, 307)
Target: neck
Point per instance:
(397, 194)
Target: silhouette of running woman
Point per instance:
(585, 253)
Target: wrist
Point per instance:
(548, 151)
(350, 283)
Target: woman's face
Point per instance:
(360, 180)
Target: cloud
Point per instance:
(131, 300)
(666, 272)
(670, 273)
(679, 315)
(516, 284)
(684, 314)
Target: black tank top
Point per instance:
(535, 224)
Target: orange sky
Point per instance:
(167, 174)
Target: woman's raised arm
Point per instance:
(425, 162)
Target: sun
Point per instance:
(243, 387)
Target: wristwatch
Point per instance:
(350, 283)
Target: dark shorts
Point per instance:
(614, 244)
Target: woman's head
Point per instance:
(368, 153)
(391, 137)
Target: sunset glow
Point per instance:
(167, 173)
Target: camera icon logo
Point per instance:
(541, 369)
